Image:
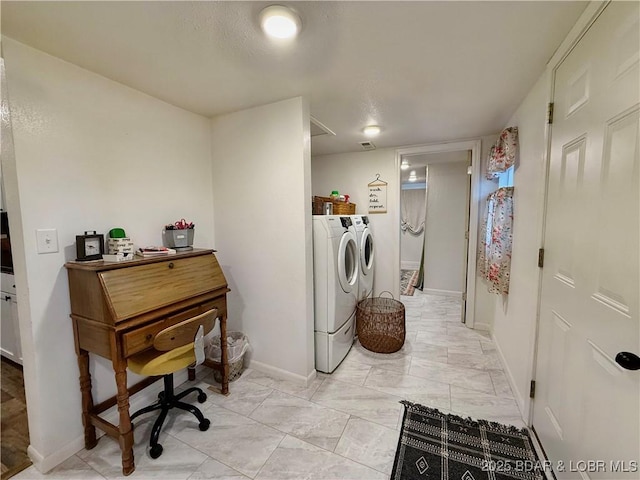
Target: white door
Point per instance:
(586, 406)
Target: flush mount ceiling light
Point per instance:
(405, 164)
(280, 22)
(412, 176)
(371, 130)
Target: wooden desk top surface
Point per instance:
(100, 265)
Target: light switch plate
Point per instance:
(47, 239)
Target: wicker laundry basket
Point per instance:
(380, 324)
(339, 208)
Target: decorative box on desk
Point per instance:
(119, 245)
(117, 309)
(179, 239)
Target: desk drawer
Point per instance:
(219, 303)
(140, 289)
(142, 338)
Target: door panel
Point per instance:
(587, 407)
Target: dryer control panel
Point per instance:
(346, 222)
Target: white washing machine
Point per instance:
(366, 255)
(335, 281)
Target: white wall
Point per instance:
(90, 154)
(350, 173)
(514, 323)
(485, 302)
(262, 207)
(446, 223)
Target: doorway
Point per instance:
(15, 431)
(443, 158)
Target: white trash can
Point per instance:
(237, 345)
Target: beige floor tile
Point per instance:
(343, 426)
(369, 443)
(298, 460)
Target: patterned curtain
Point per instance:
(503, 152)
(494, 255)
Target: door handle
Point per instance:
(628, 360)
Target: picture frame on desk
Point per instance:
(89, 246)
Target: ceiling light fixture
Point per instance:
(371, 130)
(280, 22)
(405, 164)
(412, 176)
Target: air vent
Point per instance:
(318, 128)
(367, 146)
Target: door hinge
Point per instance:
(540, 257)
(550, 113)
(532, 389)
(466, 235)
(464, 296)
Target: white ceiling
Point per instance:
(424, 71)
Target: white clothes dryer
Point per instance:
(366, 255)
(335, 281)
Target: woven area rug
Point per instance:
(408, 279)
(434, 445)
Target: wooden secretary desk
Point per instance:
(117, 309)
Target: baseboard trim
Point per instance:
(282, 374)
(45, 464)
(409, 265)
(520, 400)
(146, 397)
(485, 327)
(446, 293)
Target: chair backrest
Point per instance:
(184, 332)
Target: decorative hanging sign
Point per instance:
(378, 196)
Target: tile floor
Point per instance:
(343, 426)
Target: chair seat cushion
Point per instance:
(152, 362)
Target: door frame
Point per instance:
(474, 146)
(582, 25)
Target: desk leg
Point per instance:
(126, 432)
(225, 358)
(90, 440)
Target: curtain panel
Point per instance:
(414, 211)
(494, 255)
(503, 153)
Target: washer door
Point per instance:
(348, 262)
(366, 252)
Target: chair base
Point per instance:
(167, 400)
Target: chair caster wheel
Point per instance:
(155, 451)
(204, 425)
(202, 397)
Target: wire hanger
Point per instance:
(378, 180)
